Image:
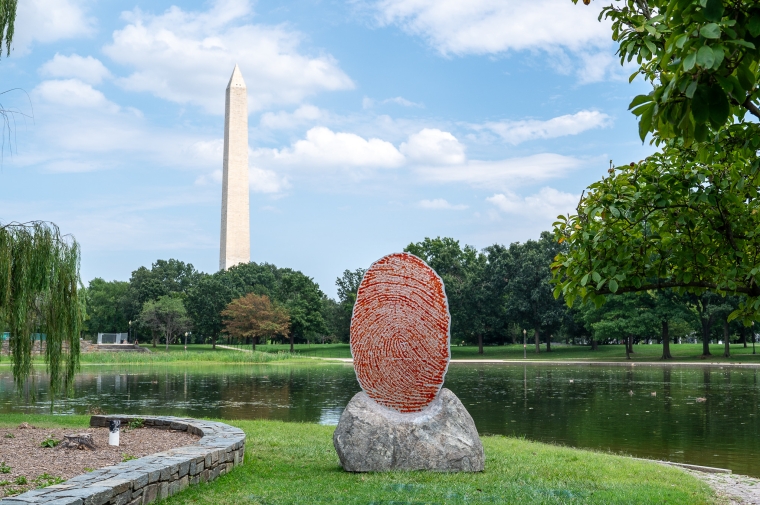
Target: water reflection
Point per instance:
(642, 410)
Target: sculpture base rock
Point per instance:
(442, 437)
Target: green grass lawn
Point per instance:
(681, 352)
(292, 463)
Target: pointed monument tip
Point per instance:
(236, 79)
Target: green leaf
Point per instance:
(682, 40)
(718, 54)
(700, 106)
(719, 106)
(714, 10)
(638, 100)
(688, 62)
(613, 286)
(691, 89)
(596, 277)
(645, 123)
(754, 24)
(700, 132)
(710, 31)
(705, 57)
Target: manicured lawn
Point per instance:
(681, 352)
(289, 463)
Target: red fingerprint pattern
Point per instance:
(400, 333)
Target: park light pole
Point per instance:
(525, 344)
(754, 337)
(129, 331)
(186, 341)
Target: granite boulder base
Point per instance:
(442, 437)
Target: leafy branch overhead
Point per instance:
(687, 216)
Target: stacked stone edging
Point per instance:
(145, 480)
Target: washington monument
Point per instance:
(235, 246)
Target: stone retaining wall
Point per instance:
(153, 477)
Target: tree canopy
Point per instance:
(39, 293)
(253, 316)
(685, 217)
(166, 315)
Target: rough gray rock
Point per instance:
(373, 438)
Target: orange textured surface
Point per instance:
(400, 333)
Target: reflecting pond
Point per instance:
(699, 415)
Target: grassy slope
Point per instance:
(288, 463)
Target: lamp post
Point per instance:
(129, 331)
(525, 344)
(185, 341)
(754, 337)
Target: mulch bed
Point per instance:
(25, 464)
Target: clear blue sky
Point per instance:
(373, 124)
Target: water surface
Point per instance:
(645, 411)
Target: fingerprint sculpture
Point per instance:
(400, 333)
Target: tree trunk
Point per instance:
(706, 337)
(548, 342)
(254, 339)
(480, 343)
(213, 341)
(666, 341)
(536, 337)
(726, 343)
(627, 347)
(167, 342)
(154, 337)
(593, 344)
(743, 333)
(292, 338)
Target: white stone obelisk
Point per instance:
(235, 244)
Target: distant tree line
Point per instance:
(497, 296)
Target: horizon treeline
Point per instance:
(497, 296)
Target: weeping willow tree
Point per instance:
(7, 20)
(39, 281)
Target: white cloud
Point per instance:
(44, 21)
(495, 26)
(433, 146)
(266, 181)
(73, 93)
(440, 204)
(516, 132)
(505, 173)
(286, 120)
(325, 148)
(400, 100)
(187, 57)
(548, 203)
(89, 69)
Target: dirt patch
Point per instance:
(25, 464)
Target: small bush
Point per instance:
(127, 457)
(49, 442)
(4, 468)
(21, 481)
(135, 424)
(4, 483)
(46, 480)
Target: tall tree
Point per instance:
(108, 306)
(205, 303)
(348, 286)
(166, 315)
(39, 292)
(253, 316)
(530, 292)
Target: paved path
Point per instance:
(734, 489)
